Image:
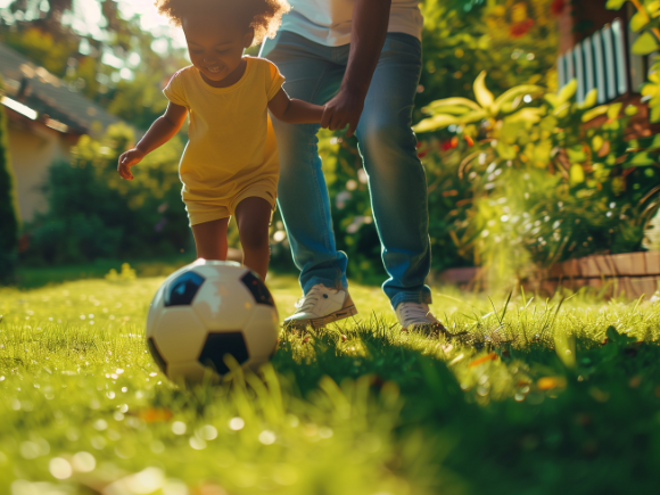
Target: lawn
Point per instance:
(526, 395)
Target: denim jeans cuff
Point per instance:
(416, 297)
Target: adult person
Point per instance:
(362, 60)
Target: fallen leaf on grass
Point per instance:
(146, 481)
(550, 382)
(489, 357)
(210, 489)
(153, 415)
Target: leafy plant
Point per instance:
(9, 220)
(126, 275)
(93, 213)
(551, 179)
(647, 21)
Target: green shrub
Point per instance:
(551, 179)
(92, 213)
(8, 208)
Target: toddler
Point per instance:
(230, 165)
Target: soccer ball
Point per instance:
(206, 310)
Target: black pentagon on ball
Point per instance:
(182, 290)
(155, 353)
(219, 344)
(258, 289)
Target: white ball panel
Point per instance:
(179, 334)
(223, 303)
(261, 333)
(203, 262)
(155, 309)
(222, 270)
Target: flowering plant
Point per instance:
(549, 179)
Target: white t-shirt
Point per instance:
(328, 22)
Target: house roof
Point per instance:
(55, 102)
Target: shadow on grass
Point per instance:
(520, 419)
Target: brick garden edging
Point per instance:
(629, 274)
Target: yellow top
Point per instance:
(231, 140)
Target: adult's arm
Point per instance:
(369, 28)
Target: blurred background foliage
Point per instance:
(122, 67)
(92, 213)
(9, 218)
(536, 178)
(550, 179)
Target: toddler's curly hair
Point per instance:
(264, 16)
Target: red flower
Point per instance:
(445, 145)
(422, 154)
(556, 7)
(521, 29)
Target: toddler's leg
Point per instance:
(211, 239)
(253, 218)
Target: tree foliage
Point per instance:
(119, 70)
(93, 213)
(9, 221)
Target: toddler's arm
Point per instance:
(161, 131)
(293, 111)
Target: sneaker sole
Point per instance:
(348, 310)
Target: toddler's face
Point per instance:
(215, 45)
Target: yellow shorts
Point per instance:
(202, 212)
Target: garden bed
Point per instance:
(627, 274)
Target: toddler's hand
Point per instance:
(127, 160)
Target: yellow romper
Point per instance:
(231, 152)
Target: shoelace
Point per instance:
(414, 313)
(308, 301)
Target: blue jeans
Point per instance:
(387, 144)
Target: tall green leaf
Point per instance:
(614, 4)
(645, 44)
(514, 93)
(435, 123)
(481, 92)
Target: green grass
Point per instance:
(524, 398)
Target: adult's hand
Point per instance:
(370, 21)
(343, 110)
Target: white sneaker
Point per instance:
(413, 315)
(321, 306)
